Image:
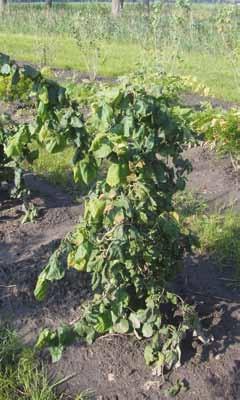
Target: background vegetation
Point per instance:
(197, 39)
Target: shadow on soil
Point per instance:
(203, 283)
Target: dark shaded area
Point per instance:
(195, 100)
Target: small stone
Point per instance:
(111, 377)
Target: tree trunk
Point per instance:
(146, 4)
(121, 4)
(48, 3)
(116, 7)
(3, 4)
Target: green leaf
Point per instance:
(101, 146)
(147, 330)
(46, 337)
(30, 72)
(88, 170)
(5, 69)
(103, 151)
(104, 322)
(148, 354)
(96, 208)
(56, 352)
(85, 170)
(175, 389)
(41, 288)
(172, 298)
(128, 124)
(141, 315)
(66, 335)
(43, 95)
(76, 122)
(122, 296)
(161, 359)
(122, 326)
(53, 271)
(4, 59)
(135, 321)
(106, 114)
(82, 255)
(91, 335)
(117, 174)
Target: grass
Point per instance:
(214, 71)
(121, 57)
(23, 376)
(57, 167)
(218, 233)
(193, 46)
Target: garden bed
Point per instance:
(114, 365)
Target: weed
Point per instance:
(219, 235)
(23, 376)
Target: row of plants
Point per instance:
(220, 129)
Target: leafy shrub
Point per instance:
(221, 129)
(129, 239)
(10, 92)
(128, 150)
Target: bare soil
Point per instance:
(114, 365)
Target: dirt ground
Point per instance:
(114, 366)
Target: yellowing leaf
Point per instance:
(96, 208)
(175, 215)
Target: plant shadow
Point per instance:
(204, 285)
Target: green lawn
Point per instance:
(64, 53)
(216, 72)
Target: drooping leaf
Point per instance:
(46, 337)
(147, 330)
(56, 352)
(85, 170)
(117, 174)
(30, 72)
(148, 354)
(5, 69)
(122, 326)
(96, 208)
(135, 321)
